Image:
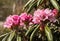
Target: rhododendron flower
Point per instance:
(8, 24)
(44, 14)
(51, 14)
(37, 16)
(11, 20)
(15, 19)
(24, 17)
(36, 20)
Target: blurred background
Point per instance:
(8, 7)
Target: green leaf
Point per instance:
(55, 4)
(32, 1)
(4, 39)
(27, 4)
(31, 7)
(11, 36)
(5, 34)
(39, 2)
(31, 28)
(33, 33)
(18, 38)
(48, 33)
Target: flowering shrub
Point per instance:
(42, 25)
(31, 23)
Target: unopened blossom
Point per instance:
(55, 11)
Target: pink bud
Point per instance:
(55, 11)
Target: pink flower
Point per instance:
(44, 14)
(38, 16)
(47, 11)
(39, 12)
(52, 19)
(15, 19)
(9, 22)
(36, 20)
(21, 23)
(55, 11)
(9, 18)
(29, 17)
(24, 17)
(51, 14)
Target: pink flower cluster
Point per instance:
(39, 15)
(44, 14)
(11, 20)
(15, 20)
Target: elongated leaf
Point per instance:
(30, 30)
(39, 2)
(4, 39)
(11, 36)
(31, 2)
(48, 33)
(18, 38)
(33, 33)
(27, 4)
(5, 34)
(55, 4)
(31, 7)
